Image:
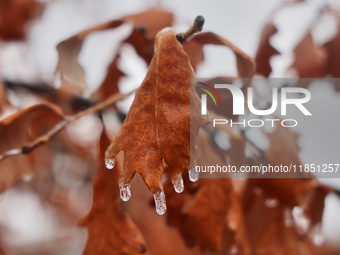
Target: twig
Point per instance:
(26, 149)
(196, 27)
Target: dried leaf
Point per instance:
(147, 25)
(2, 251)
(14, 16)
(333, 52)
(4, 103)
(275, 230)
(194, 50)
(111, 231)
(245, 64)
(208, 213)
(110, 84)
(283, 150)
(265, 51)
(159, 236)
(310, 60)
(15, 131)
(69, 69)
(157, 126)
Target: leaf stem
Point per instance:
(196, 27)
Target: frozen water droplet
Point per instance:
(193, 174)
(110, 163)
(125, 191)
(179, 186)
(160, 202)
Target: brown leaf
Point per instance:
(194, 50)
(151, 20)
(157, 126)
(310, 60)
(147, 25)
(294, 188)
(208, 214)
(245, 64)
(4, 103)
(265, 51)
(2, 251)
(110, 84)
(333, 62)
(272, 229)
(68, 67)
(14, 15)
(16, 131)
(111, 231)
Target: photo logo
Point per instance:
(239, 102)
(204, 97)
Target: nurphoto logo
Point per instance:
(239, 104)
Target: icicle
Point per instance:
(179, 186)
(110, 163)
(160, 202)
(193, 174)
(125, 191)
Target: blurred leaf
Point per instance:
(265, 51)
(110, 84)
(16, 131)
(245, 64)
(310, 60)
(4, 103)
(68, 68)
(194, 50)
(333, 62)
(208, 212)
(274, 228)
(2, 251)
(111, 231)
(14, 16)
(147, 25)
(72, 73)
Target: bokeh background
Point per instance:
(24, 220)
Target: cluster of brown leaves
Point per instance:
(224, 216)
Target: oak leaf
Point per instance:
(146, 25)
(245, 64)
(111, 231)
(153, 20)
(2, 251)
(15, 131)
(310, 60)
(333, 62)
(275, 228)
(157, 126)
(208, 214)
(265, 51)
(14, 15)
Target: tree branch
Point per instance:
(26, 149)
